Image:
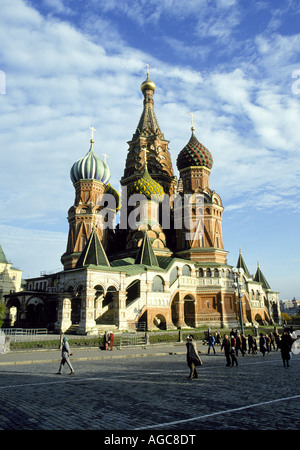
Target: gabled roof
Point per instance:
(242, 265)
(93, 253)
(2, 256)
(260, 278)
(146, 254)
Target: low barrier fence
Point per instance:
(24, 331)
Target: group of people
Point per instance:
(232, 345)
(236, 343)
(108, 340)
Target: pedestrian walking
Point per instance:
(232, 341)
(268, 343)
(262, 344)
(254, 346)
(105, 340)
(227, 349)
(277, 339)
(285, 345)
(272, 338)
(211, 343)
(218, 338)
(237, 344)
(192, 356)
(111, 340)
(243, 345)
(233, 355)
(65, 357)
(250, 344)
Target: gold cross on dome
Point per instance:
(148, 67)
(93, 130)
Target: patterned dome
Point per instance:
(90, 167)
(194, 154)
(148, 187)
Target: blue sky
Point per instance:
(70, 65)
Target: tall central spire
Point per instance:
(148, 136)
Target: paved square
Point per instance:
(153, 393)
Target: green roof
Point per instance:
(93, 253)
(146, 254)
(2, 256)
(260, 278)
(242, 265)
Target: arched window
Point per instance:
(157, 284)
(201, 273)
(173, 275)
(208, 272)
(108, 299)
(186, 271)
(99, 290)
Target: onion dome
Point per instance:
(112, 191)
(90, 167)
(148, 84)
(194, 154)
(147, 187)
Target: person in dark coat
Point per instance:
(192, 356)
(244, 345)
(262, 344)
(227, 349)
(250, 344)
(285, 345)
(233, 355)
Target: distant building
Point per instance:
(10, 278)
(290, 307)
(164, 265)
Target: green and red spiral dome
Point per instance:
(194, 154)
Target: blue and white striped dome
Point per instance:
(90, 167)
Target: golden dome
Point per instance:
(148, 84)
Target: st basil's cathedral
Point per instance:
(163, 265)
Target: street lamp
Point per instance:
(237, 273)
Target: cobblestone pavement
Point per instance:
(152, 393)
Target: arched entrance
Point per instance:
(189, 310)
(183, 313)
(35, 313)
(75, 310)
(14, 313)
(175, 309)
(160, 322)
(259, 319)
